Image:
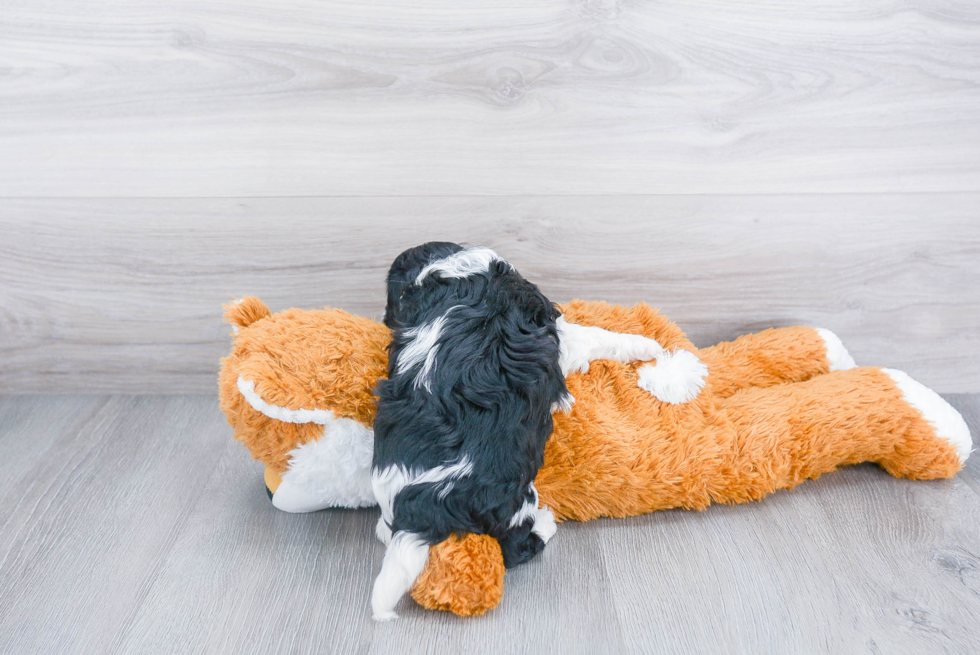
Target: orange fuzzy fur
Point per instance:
(299, 359)
(769, 417)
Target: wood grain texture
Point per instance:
(191, 98)
(124, 295)
(95, 512)
(139, 526)
(969, 406)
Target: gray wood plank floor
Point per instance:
(135, 525)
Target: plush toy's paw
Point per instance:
(947, 423)
(463, 576)
(677, 378)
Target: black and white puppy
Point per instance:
(477, 365)
(465, 412)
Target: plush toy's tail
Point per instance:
(245, 311)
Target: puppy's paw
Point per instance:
(544, 524)
(677, 378)
(638, 348)
(382, 531)
(576, 363)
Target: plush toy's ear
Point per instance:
(245, 311)
(463, 576)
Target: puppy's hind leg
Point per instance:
(544, 524)
(526, 539)
(520, 544)
(403, 563)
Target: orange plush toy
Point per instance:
(776, 408)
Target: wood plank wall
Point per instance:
(739, 165)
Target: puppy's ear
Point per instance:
(404, 270)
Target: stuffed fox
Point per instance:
(776, 408)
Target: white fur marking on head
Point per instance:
(464, 263)
(580, 344)
(402, 565)
(677, 378)
(422, 348)
(946, 421)
(837, 355)
(392, 479)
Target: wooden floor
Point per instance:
(136, 524)
(741, 165)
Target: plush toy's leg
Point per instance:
(788, 433)
(463, 576)
(773, 357)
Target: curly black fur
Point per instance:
(489, 397)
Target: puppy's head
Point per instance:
(403, 274)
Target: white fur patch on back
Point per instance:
(837, 355)
(422, 349)
(677, 378)
(466, 262)
(392, 479)
(946, 421)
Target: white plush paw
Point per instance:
(677, 378)
(544, 524)
(837, 355)
(382, 531)
(944, 419)
(385, 616)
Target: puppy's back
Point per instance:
(473, 373)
